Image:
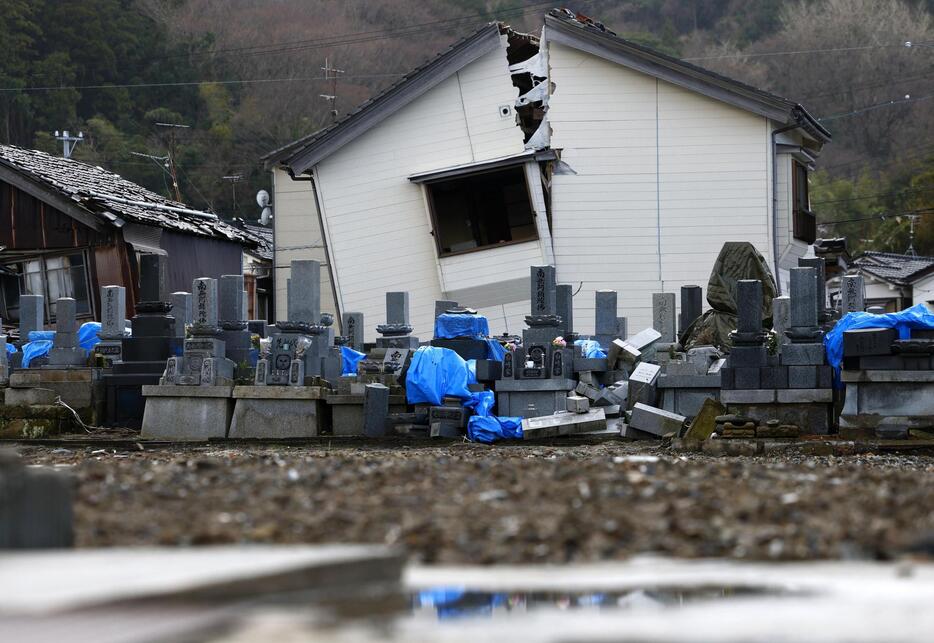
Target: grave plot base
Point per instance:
(686, 401)
(80, 388)
(35, 421)
(529, 404)
(813, 418)
(875, 397)
(187, 413)
(347, 412)
(278, 412)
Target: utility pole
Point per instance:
(330, 74)
(69, 142)
(911, 236)
(233, 179)
(173, 127)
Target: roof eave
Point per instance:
(15, 176)
(481, 43)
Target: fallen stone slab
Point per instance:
(655, 421)
(550, 426)
(705, 422)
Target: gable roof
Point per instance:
(898, 269)
(573, 30)
(302, 154)
(99, 199)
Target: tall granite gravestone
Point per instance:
(352, 330)
(396, 332)
(232, 321)
(564, 295)
(443, 305)
(148, 348)
(852, 294)
(820, 277)
(113, 324)
(536, 377)
(31, 316)
(181, 311)
(605, 321)
(781, 319)
(663, 316)
(692, 306)
(65, 350)
(194, 398)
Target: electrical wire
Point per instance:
(862, 110)
(807, 51)
(875, 196)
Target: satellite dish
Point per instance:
(265, 216)
(262, 198)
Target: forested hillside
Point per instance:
(245, 76)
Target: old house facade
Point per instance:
(623, 167)
(67, 228)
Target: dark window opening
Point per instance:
(481, 211)
(52, 277)
(804, 221)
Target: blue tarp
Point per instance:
(918, 317)
(88, 335)
(450, 325)
(495, 350)
(35, 348)
(490, 429)
(349, 360)
(41, 335)
(10, 348)
(590, 348)
(435, 373)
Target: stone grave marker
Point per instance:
(852, 294)
(663, 316)
(181, 310)
(605, 320)
(65, 350)
(113, 324)
(304, 301)
(564, 294)
(692, 306)
(31, 316)
(352, 328)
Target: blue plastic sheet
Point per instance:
(35, 348)
(435, 373)
(10, 348)
(916, 317)
(35, 335)
(489, 429)
(349, 360)
(590, 348)
(450, 325)
(88, 335)
(481, 403)
(495, 350)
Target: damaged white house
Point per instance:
(623, 167)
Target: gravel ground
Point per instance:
(483, 505)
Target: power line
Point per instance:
(830, 50)
(884, 215)
(887, 83)
(875, 196)
(898, 101)
(361, 36)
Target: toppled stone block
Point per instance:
(578, 404)
(705, 422)
(655, 421)
(559, 424)
(375, 410)
(621, 351)
(643, 384)
(863, 342)
(588, 391)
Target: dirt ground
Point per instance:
(469, 503)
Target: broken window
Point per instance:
(481, 210)
(805, 223)
(52, 277)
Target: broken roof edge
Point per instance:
(372, 112)
(565, 29)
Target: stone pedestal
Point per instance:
(809, 409)
(277, 412)
(877, 397)
(80, 388)
(532, 398)
(347, 417)
(187, 413)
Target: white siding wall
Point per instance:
(297, 236)
(661, 171)
(377, 220)
(923, 291)
(790, 249)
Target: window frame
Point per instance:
(432, 212)
(803, 220)
(43, 259)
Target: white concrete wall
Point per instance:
(664, 177)
(297, 237)
(377, 221)
(923, 291)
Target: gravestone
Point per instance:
(181, 311)
(65, 350)
(232, 321)
(375, 410)
(203, 361)
(605, 319)
(31, 316)
(622, 327)
(781, 319)
(396, 332)
(304, 300)
(852, 294)
(146, 350)
(820, 278)
(352, 330)
(692, 306)
(564, 295)
(642, 384)
(442, 306)
(113, 324)
(663, 316)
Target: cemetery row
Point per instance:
(754, 366)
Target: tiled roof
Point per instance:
(899, 269)
(100, 193)
(265, 248)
